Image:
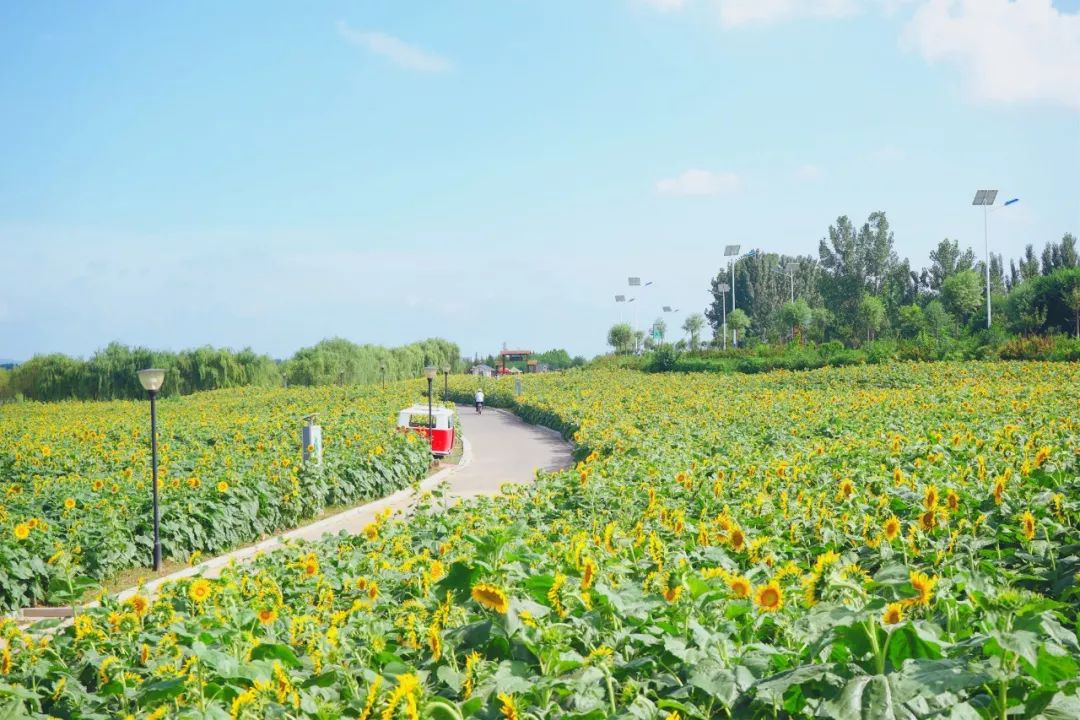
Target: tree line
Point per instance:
(110, 373)
(857, 289)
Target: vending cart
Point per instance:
(441, 436)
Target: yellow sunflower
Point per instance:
(223, 487)
(924, 586)
(769, 598)
(267, 615)
(490, 597)
(892, 528)
(21, 531)
(1028, 521)
(69, 503)
(739, 586)
(199, 590)
(893, 614)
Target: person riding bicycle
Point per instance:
(479, 399)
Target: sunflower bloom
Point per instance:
(267, 616)
(893, 614)
(930, 498)
(21, 531)
(199, 590)
(1028, 521)
(892, 529)
(491, 597)
(507, 707)
(769, 598)
(924, 586)
(739, 586)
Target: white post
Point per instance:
(734, 332)
(311, 441)
(986, 258)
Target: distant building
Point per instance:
(482, 370)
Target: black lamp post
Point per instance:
(151, 380)
(430, 372)
(446, 382)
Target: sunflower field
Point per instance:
(76, 476)
(866, 542)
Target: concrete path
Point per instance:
(499, 448)
(505, 450)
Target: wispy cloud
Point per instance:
(809, 173)
(746, 12)
(699, 182)
(394, 49)
(1009, 51)
(887, 154)
(664, 5)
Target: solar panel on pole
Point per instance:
(634, 281)
(730, 250)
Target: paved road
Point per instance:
(501, 449)
(505, 449)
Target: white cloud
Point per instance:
(665, 5)
(699, 182)
(888, 154)
(394, 49)
(746, 12)
(809, 173)
(1009, 51)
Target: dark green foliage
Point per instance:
(110, 373)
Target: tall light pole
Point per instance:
(430, 371)
(151, 380)
(723, 288)
(791, 276)
(732, 251)
(446, 382)
(986, 199)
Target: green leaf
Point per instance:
(157, 692)
(275, 651)
(867, 697)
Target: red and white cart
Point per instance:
(441, 436)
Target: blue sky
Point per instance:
(269, 174)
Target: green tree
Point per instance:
(912, 321)
(962, 295)
(797, 315)
(739, 321)
(661, 328)
(871, 314)
(1068, 251)
(1071, 296)
(938, 321)
(947, 260)
(620, 337)
(692, 326)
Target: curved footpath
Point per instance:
(499, 448)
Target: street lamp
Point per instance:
(986, 199)
(151, 380)
(791, 276)
(723, 309)
(430, 371)
(732, 251)
(446, 382)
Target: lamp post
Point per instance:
(790, 276)
(732, 251)
(723, 309)
(151, 380)
(430, 371)
(986, 199)
(446, 382)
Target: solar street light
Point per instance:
(634, 281)
(620, 298)
(151, 379)
(986, 199)
(731, 250)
